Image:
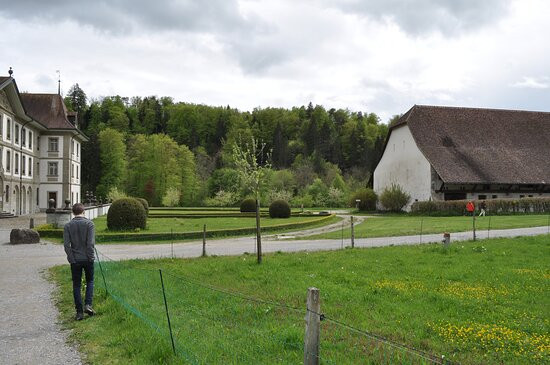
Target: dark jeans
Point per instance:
(76, 271)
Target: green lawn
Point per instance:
(196, 224)
(402, 225)
(476, 303)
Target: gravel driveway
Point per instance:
(29, 333)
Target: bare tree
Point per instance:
(251, 161)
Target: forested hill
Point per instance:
(312, 148)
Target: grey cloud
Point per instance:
(450, 17)
(126, 15)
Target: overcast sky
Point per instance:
(380, 56)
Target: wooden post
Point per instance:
(474, 223)
(421, 224)
(204, 241)
(489, 227)
(172, 241)
(352, 234)
(31, 223)
(342, 235)
(258, 233)
(313, 327)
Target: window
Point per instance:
(8, 161)
(72, 170)
(495, 196)
(53, 144)
(482, 197)
(23, 165)
(1, 123)
(7, 193)
(24, 137)
(52, 168)
(16, 163)
(8, 129)
(38, 143)
(16, 134)
(73, 148)
(37, 196)
(30, 140)
(77, 149)
(77, 175)
(30, 166)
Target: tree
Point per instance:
(252, 161)
(76, 100)
(112, 153)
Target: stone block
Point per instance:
(23, 236)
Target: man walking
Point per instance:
(79, 242)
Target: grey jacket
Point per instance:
(79, 240)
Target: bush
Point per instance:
(279, 209)
(222, 199)
(393, 198)
(145, 204)
(115, 194)
(368, 199)
(126, 214)
(248, 205)
(171, 198)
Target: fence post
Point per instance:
(352, 234)
(204, 241)
(342, 235)
(421, 224)
(313, 327)
(172, 241)
(489, 227)
(167, 315)
(474, 223)
(258, 233)
(101, 270)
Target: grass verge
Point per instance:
(404, 225)
(475, 303)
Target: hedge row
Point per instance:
(140, 236)
(493, 206)
(233, 215)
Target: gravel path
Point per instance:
(29, 333)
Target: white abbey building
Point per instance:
(449, 153)
(40, 149)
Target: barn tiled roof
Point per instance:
(482, 146)
(4, 79)
(48, 109)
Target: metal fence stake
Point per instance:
(167, 314)
(101, 270)
(352, 234)
(204, 241)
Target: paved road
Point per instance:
(29, 333)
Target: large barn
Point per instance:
(450, 153)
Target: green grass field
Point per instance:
(478, 302)
(403, 225)
(196, 224)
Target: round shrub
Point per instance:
(368, 199)
(126, 214)
(394, 198)
(248, 205)
(145, 204)
(279, 209)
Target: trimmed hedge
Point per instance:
(248, 206)
(279, 209)
(494, 206)
(145, 204)
(125, 214)
(139, 236)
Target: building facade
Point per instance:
(40, 149)
(449, 153)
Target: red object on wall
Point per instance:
(470, 207)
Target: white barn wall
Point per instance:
(402, 163)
